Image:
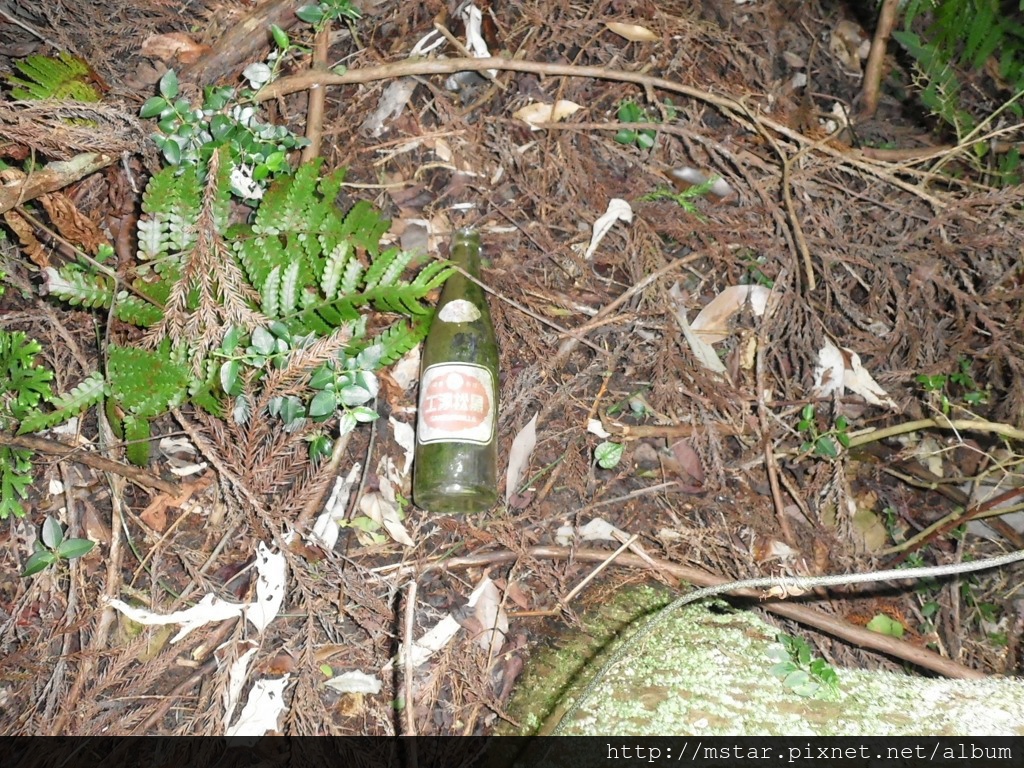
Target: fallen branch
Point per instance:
(732, 108)
(52, 177)
(100, 463)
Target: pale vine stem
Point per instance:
(778, 586)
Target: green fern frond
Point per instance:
(136, 435)
(365, 227)
(132, 309)
(15, 479)
(86, 394)
(387, 268)
(401, 337)
(171, 204)
(146, 383)
(78, 288)
(333, 269)
(61, 77)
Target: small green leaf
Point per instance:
(280, 36)
(153, 107)
(824, 446)
(53, 534)
(172, 152)
(75, 548)
(39, 561)
(326, 671)
(320, 447)
(262, 341)
(311, 14)
(230, 341)
(364, 414)
(608, 454)
(229, 377)
(169, 85)
(323, 404)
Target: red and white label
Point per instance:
(456, 404)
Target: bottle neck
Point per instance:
(465, 251)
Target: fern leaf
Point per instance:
(146, 383)
(399, 338)
(333, 268)
(79, 289)
(271, 293)
(171, 203)
(136, 436)
(395, 263)
(132, 309)
(289, 289)
(15, 479)
(433, 276)
(351, 278)
(90, 391)
(60, 77)
(365, 227)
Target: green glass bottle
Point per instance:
(456, 464)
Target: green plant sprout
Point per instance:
(328, 10)
(608, 454)
(54, 548)
(822, 444)
(947, 389)
(631, 112)
(799, 671)
(684, 199)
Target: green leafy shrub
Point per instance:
(959, 36)
(300, 272)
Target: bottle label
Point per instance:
(456, 404)
(459, 311)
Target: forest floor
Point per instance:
(874, 276)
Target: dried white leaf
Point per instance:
(703, 351)
(436, 638)
(271, 580)
(406, 371)
(326, 528)
(519, 456)
(475, 42)
(597, 529)
(391, 104)
(539, 113)
(712, 322)
(56, 487)
(595, 427)
(262, 710)
(355, 682)
(839, 369)
(210, 609)
(632, 32)
(272, 571)
(385, 512)
(618, 210)
(236, 680)
(405, 436)
(488, 611)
